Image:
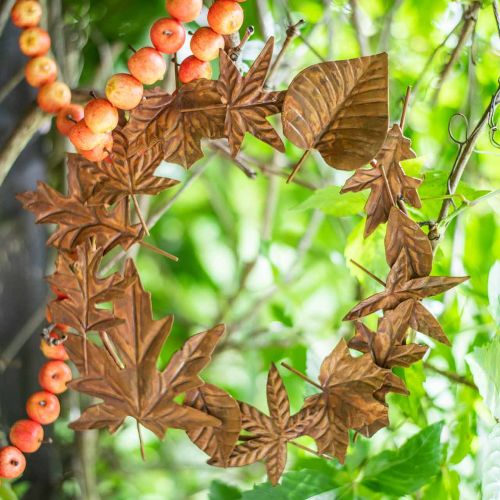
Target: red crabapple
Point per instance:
(225, 17)
(26, 13)
(83, 138)
(167, 35)
(147, 65)
(184, 10)
(43, 407)
(34, 42)
(101, 116)
(54, 351)
(54, 375)
(193, 69)
(67, 117)
(12, 462)
(54, 96)
(206, 43)
(26, 435)
(124, 91)
(40, 71)
(100, 152)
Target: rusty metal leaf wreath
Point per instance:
(339, 108)
(134, 387)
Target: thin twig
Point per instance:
(310, 450)
(139, 214)
(356, 22)
(454, 377)
(159, 251)
(11, 84)
(369, 273)
(302, 376)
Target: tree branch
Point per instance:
(356, 22)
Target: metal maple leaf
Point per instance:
(135, 387)
(77, 221)
(217, 442)
(396, 184)
(386, 345)
(400, 288)
(246, 103)
(268, 435)
(352, 397)
(122, 174)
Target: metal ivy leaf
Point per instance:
(135, 387)
(400, 288)
(217, 442)
(352, 398)
(77, 221)
(384, 194)
(405, 235)
(269, 435)
(387, 345)
(122, 174)
(340, 109)
(246, 103)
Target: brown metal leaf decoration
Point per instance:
(400, 288)
(405, 235)
(122, 174)
(77, 221)
(269, 435)
(217, 442)
(164, 119)
(78, 280)
(138, 389)
(340, 109)
(246, 103)
(352, 398)
(396, 148)
(387, 345)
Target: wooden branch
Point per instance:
(454, 377)
(11, 84)
(18, 140)
(356, 22)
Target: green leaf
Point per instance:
(6, 492)
(223, 491)
(483, 362)
(295, 485)
(491, 467)
(444, 487)
(331, 202)
(494, 291)
(403, 471)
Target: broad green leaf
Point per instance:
(223, 491)
(491, 467)
(444, 487)
(462, 429)
(331, 202)
(485, 367)
(6, 492)
(296, 485)
(403, 471)
(494, 291)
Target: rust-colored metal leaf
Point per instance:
(340, 109)
(217, 442)
(122, 174)
(387, 345)
(384, 194)
(269, 436)
(138, 389)
(246, 104)
(405, 235)
(400, 288)
(78, 280)
(77, 221)
(352, 398)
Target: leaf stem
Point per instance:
(298, 166)
(139, 214)
(141, 442)
(159, 251)
(301, 375)
(310, 450)
(405, 107)
(376, 278)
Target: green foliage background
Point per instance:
(272, 261)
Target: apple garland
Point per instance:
(338, 108)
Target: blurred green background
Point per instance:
(272, 261)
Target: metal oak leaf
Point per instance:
(246, 103)
(400, 288)
(123, 174)
(339, 108)
(217, 442)
(135, 387)
(385, 193)
(77, 221)
(387, 345)
(352, 398)
(268, 435)
(405, 235)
